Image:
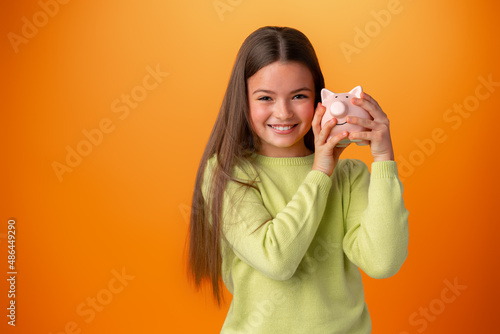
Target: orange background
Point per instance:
(124, 206)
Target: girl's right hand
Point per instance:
(326, 153)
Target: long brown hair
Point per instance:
(233, 139)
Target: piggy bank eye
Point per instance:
(336, 96)
(347, 96)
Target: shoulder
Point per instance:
(243, 169)
(351, 167)
(351, 173)
(210, 166)
(349, 164)
(353, 170)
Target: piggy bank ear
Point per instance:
(325, 93)
(356, 91)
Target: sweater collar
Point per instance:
(287, 161)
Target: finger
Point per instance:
(364, 136)
(366, 123)
(319, 112)
(368, 97)
(318, 115)
(326, 129)
(333, 141)
(372, 107)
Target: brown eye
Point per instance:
(336, 96)
(347, 96)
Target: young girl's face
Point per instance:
(281, 101)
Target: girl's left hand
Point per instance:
(379, 138)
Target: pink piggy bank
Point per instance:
(339, 105)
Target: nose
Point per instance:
(338, 109)
(283, 111)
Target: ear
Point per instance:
(356, 91)
(325, 93)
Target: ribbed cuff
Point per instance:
(321, 179)
(384, 169)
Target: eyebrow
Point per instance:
(271, 92)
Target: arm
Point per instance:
(376, 238)
(376, 225)
(273, 245)
(276, 245)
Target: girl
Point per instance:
(276, 215)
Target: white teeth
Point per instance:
(282, 128)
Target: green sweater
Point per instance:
(298, 272)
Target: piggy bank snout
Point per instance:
(338, 109)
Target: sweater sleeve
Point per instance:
(376, 225)
(273, 245)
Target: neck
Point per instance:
(286, 152)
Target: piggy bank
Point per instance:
(339, 105)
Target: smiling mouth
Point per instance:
(282, 127)
(341, 123)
